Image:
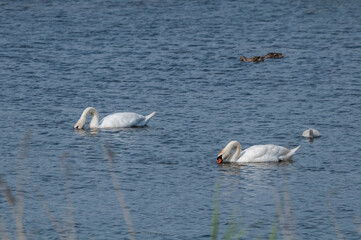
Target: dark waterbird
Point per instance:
(274, 55)
(252, 59)
(261, 58)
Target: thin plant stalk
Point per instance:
(51, 216)
(285, 216)
(19, 209)
(4, 234)
(9, 196)
(215, 221)
(19, 215)
(231, 232)
(333, 218)
(70, 219)
(273, 235)
(120, 196)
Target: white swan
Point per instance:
(257, 153)
(115, 120)
(311, 133)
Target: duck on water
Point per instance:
(261, 58)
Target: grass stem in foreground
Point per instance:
(121, 199)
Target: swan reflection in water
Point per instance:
(237, 168)
(96, 131)
(82, 132)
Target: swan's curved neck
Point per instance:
(94, 122)
(237, 150)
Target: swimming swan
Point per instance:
(311, 133)
(256, 153)
(115, 120)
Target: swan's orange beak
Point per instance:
(219, 159)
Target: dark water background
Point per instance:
(181, 59)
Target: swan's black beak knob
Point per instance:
(219, 159)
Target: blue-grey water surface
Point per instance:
(180, 59)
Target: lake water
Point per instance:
(180, 59)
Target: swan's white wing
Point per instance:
(316, 133)
(307, 133)
(121, 120)
(263, 153)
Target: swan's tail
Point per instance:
(292, 152)
(289, 154)
(148, 117)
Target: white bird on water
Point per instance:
(115, 120)
(257, 153)
(311, 133)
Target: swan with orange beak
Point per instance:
(257, 153)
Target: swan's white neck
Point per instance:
(94, 122)
(237, 152)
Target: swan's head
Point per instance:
(219, 159)
(223, 155)
(228, 151)
(95, 118)
(79, 124)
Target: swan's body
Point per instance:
(252, 59)
(257, 153)
(311, 133)
(115, 120)
(274, 55)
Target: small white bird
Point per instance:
(115, 120)
(311, 133)
(257, 153)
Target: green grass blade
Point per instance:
(215, 221)
(273, 235)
